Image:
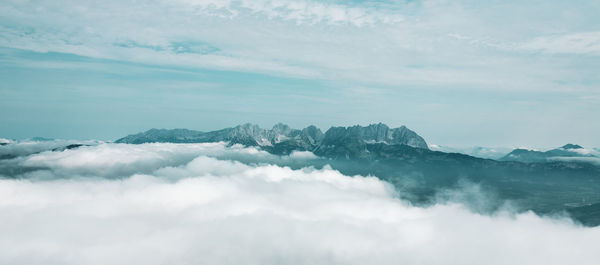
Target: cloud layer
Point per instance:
(209, 204)
(402, 42)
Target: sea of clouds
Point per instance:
(217, 204)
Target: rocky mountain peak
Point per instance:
(281, 128)
(376, 133)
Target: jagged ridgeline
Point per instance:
(347, 142)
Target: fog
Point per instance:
(214, 204)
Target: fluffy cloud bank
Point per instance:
(209, 204)
(107, 160)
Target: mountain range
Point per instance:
(375, 141)
(349, 142)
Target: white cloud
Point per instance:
(586, 152)
(586, 43)
(28, 147)
(215, 211)
(593, 160)
(300, 11)
(304, 39)
(121, 160)
(478, 151)
(302, 155)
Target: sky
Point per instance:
(459, 73)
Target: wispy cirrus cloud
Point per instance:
(301, 12)
(584, 43)
(405, 55)
(372, 43)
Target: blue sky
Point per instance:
(460, 73)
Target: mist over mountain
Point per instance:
(157, 203)
(282, 182)
(375, 141)
(566, 152)
(402, 157)
(477, 151)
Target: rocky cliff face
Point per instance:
(355, 141)
(246, 134)
(281, 139)
(376, 133)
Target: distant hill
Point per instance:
(565, 153)
(477, 151)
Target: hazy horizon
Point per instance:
(463, 73)
(323, 129)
